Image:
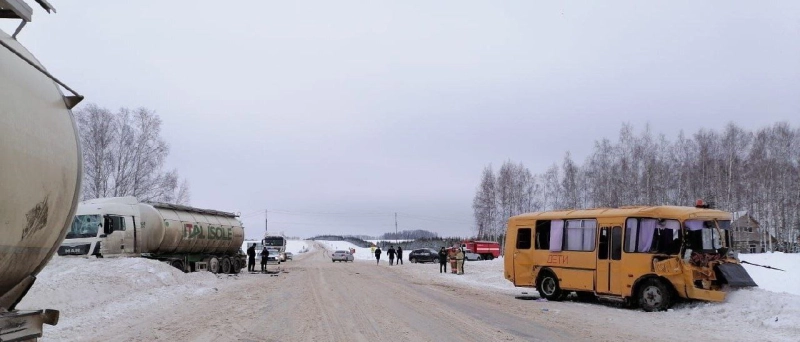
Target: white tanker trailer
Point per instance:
(40, 173)
(187, 238)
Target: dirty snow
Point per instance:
(90, 291)
(775, 305)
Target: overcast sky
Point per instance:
(336, 114)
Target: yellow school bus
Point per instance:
(645, 256)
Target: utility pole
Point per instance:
(395, 228)
(266, 223)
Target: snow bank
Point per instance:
(360, 254)
(298, 246)
(774, 280)
(750, 309)
(90, 291)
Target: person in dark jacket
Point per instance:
(251, 258)
(442, 260)
(378, 256)
(399, 255)
(391, 253)
(264, 256)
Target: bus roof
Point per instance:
(664, 211)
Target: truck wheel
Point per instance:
(548, 288)
(654, 295)
(225, 264)
(237, 266)
(178, 264)
(213, 265)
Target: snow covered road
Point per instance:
(313, 299)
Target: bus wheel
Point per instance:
(548, 287)
(654, 295)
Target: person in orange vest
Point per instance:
(460, 260)
(451, 255)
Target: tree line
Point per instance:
(736, 169)
(124, 155)
(409, 235)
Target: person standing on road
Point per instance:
(460, 260)
(442, 260)
(378, 256)
(451, 255)
(399, 255)
(264, 256)
(391, 252)
(251, 258)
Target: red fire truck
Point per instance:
(487, 249)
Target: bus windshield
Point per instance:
(84, 226)
(702, 235)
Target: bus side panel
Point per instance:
(510, 249)
(575, 279)
(634, 266)
(519, 263)
(575, 270)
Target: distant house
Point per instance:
(747, 235)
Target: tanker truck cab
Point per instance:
(103, 227)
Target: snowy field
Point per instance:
(90, 292)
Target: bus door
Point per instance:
(523, 258)
(608, 277)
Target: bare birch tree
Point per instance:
(124, 155)
(739, 170)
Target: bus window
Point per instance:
(524, 238)
(542, 235)
(616, 243)
(556, 235)
(702, 235)
(580, 235)
(631, 230)
(648, 235)
(602, 252)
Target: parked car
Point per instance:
(423, 255)
(341, 256)
(471, 256)
(288, 255)
(274, 256)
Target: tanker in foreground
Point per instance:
(187, 238)
(40, 172)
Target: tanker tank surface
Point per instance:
(190, 239)
(40, 172)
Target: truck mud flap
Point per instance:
(25, 325)
(735, 275)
